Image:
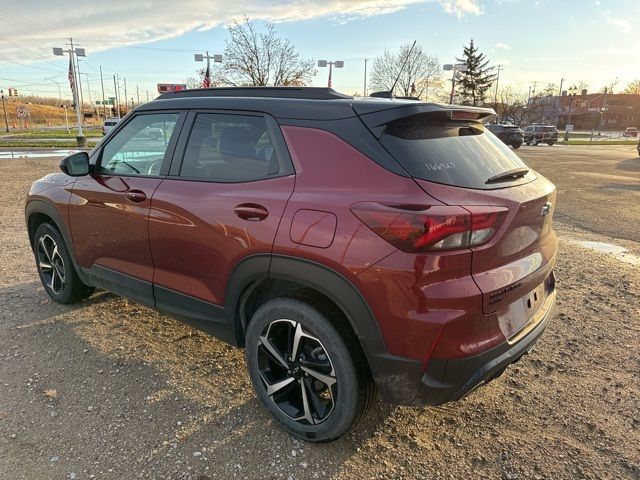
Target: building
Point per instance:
(598, 111)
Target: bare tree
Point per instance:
(420, 71)
(262, 58)
(633, 87)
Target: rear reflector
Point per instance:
(419, 228)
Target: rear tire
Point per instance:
(55, 268)
(516, 145)
(318, 386)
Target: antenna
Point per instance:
(402, 68)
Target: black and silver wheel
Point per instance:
(303, 371)
(55, 268)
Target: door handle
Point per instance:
(251, 212)
(136, 196)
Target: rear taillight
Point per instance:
(419, 228)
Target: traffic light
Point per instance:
(15, 92)
(10, 92)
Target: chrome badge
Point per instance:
(546, 208)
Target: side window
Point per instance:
(139, 148)
(229, 148)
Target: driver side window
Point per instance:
(139, 148)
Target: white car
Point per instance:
(108, 124)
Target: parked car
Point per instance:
(534, 134)
(509, 134)
(108, 124)
(349, 245)
(630, 132)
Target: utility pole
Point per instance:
(104, 104)
(365, 76)
(115, 87)
(495, 99)
(126, 102)
(4, 109)
(138, 95)
(75, 52)
(88, 87)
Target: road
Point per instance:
(111, 390)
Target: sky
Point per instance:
(147, 42)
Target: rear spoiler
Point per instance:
(377, 120)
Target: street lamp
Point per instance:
(81, 140)
(198, 57)
(455, 68)
(4, 109)
(572, 94)
(324, 63)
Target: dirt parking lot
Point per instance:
(111, 390)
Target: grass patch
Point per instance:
(57, 145)
(599, 142)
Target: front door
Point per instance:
(109, 209)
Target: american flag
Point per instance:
(206, 81)
(70, 77)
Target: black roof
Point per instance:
(307, 103)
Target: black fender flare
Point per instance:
(397, 378)
(35, 206)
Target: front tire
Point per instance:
(55, 268)
(304, 372)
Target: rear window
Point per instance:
(458, 153)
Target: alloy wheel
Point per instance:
(51, 264)
(297, 372)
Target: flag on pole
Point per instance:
(70, 77)
(206, 81)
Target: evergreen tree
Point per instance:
(474, 83)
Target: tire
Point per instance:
(516, 145)
(550, 144)
(55, 268)
(334, 404)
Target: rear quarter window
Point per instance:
(457, 153)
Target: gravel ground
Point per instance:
(111, 390)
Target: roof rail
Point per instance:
(308, 93)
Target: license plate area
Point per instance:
(522, 315)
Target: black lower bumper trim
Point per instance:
(446, 380)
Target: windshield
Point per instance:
(459, 153)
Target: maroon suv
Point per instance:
(349, 244)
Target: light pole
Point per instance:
(198, 57)
(337, 64)
(81, 140)
(66, 117)
(572, 95)
(4, 109)
(455, 68)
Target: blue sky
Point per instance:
(542, 41)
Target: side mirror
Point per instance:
(76, 164)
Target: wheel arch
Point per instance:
(41, 211)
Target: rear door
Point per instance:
(226, 191)
(458, 163)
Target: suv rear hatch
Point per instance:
(452, 158)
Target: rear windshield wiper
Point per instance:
(512, 174)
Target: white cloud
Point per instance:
(37, 25)
(460, 8)
(501, 46)
(619, 24)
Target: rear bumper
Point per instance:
(447, 380)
